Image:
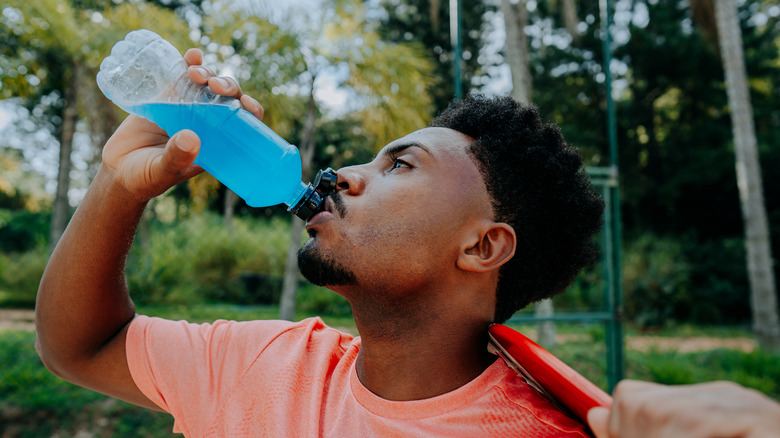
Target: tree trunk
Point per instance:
(61, 207)
(290, 284)
(102, 118)
(570, 20)
(545, 329)
(763, 297)
(229, 206)
(515, 20)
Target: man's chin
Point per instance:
(321, 270)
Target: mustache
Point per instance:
(338, 204)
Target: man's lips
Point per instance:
(323, 215)
(319, 218)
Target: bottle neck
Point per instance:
(298, 194)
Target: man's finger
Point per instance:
(199, 74)
(253, 106)
(225, 86)
(179, 154)
(193, 57)
(598, 419)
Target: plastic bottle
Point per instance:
(145, 75)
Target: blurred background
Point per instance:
(677, 98)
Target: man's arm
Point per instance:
(715, 409)
(83, 307)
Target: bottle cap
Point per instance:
(313, 198)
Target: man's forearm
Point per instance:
(83, 299)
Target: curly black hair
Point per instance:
(539, 187)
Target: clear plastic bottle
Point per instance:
(145, 75)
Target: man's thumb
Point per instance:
(598, 420)
(181, 151)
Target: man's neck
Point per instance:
(413, 359)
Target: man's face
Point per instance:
(393, 224)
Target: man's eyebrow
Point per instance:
(397, 149)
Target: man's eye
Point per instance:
(397, 164)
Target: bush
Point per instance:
(198, 260)
(22, 231)
(36, 403)
(720, 284)
(315, 300)
(26, 384)
(20, 275)
(657, 280)
(586, 292)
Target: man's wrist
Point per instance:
(106, 185)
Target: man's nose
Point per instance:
(350, 180)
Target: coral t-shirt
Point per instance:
(283, 379)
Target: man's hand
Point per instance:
(141, 158)
(706, 410)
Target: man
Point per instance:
(447, 230)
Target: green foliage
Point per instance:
(666, 368)
(315, 300)
(26, 384)
(657, 278)
(721, 295)
(20, 274)
(416, 21)
(586, 293)
(198, 313)
(757, 369)
(22, 230)
(587, 357)
(39, 404)
(198, 259)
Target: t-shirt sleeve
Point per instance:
(184, 367)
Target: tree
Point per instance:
(62, 45)
(47, 34)
(766, 323)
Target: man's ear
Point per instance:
(490, 247)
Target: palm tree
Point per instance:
(763, 292)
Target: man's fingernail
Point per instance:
(186, 145)
(224, 83)
(201, 70)
(251, 103)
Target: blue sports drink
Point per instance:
(237, 149)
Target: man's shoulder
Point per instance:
(235, 337)
(512, 396)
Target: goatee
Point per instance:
(321, 270)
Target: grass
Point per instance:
(35, 403)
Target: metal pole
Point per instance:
(614, 327)
(456, 45)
